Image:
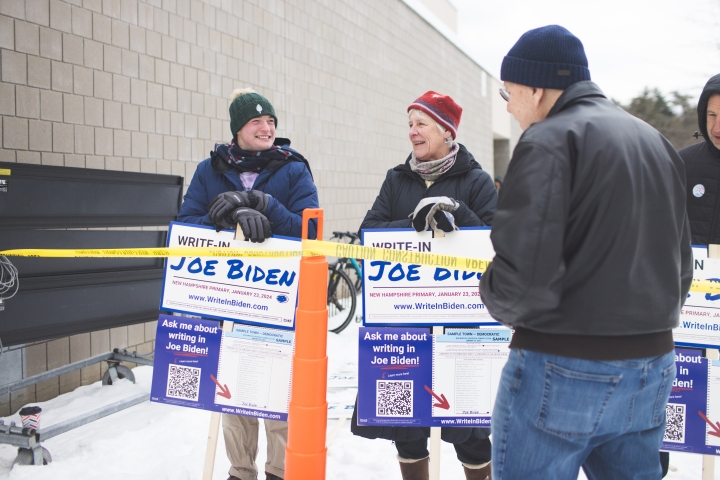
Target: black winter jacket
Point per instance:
(702, 167)
(592, 242)
(402, 189)
(400, 193)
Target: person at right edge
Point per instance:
(702, 169)
(593, 263)
(702, 164)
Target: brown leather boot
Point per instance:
(419, 470)
(484, 473)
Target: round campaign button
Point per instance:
(699, 190)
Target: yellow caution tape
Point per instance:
(309, 248)
(705, 286)
(151, 252)
(333, 249)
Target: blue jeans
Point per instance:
(556, 414)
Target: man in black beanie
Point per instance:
(593, 263)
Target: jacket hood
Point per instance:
(711, 87)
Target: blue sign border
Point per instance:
(215, 317)
(425, 325)
(209, 366)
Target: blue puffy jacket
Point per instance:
(289, 183)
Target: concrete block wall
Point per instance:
(143, 85)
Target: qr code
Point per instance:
(394, 398)
(183, 382)
(675, 423)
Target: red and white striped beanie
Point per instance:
(441, 108)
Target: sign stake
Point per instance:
(435, 435)
(211, 448)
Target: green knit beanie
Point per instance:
(247, 106)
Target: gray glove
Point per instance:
(435, 213)
(254, 225)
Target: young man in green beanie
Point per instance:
(592, 266)
(260, 183)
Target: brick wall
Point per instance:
(143, 86)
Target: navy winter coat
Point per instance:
(288, 182)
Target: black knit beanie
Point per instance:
(247, 106)
(546, 57)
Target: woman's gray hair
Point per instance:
(425, 116)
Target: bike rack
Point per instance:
(28, 440)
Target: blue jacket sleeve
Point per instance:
(287, 220)
(195, 202)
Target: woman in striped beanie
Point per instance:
(440, 186)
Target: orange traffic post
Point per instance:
(306, 452)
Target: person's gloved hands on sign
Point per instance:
(435, 213)
(244, 208)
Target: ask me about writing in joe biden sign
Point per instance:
(245, 371)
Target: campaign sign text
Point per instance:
(398, 293)
(693, 408)
(394, 371)
(253, 290)
(700, 317)
(467, 366)
(244, 372)
(261, 361)
(408, 377)
(187, 351)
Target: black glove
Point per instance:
(445, 221)
(222, 205)
(254, 225)
(433, 208)
(259, 200)
(419, 218)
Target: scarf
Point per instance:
(248, 161)
(433, 169)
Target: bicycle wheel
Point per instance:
(341, 300)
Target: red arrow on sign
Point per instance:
(443, 401)
(715, 427)
(224, 390)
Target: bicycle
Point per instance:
(350, 265)
(342, 290)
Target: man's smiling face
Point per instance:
(713, 124)
(258, 134)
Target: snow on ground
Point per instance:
(152, 441)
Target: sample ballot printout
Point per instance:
(713, 403)
(467, 364)
(256, 363)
